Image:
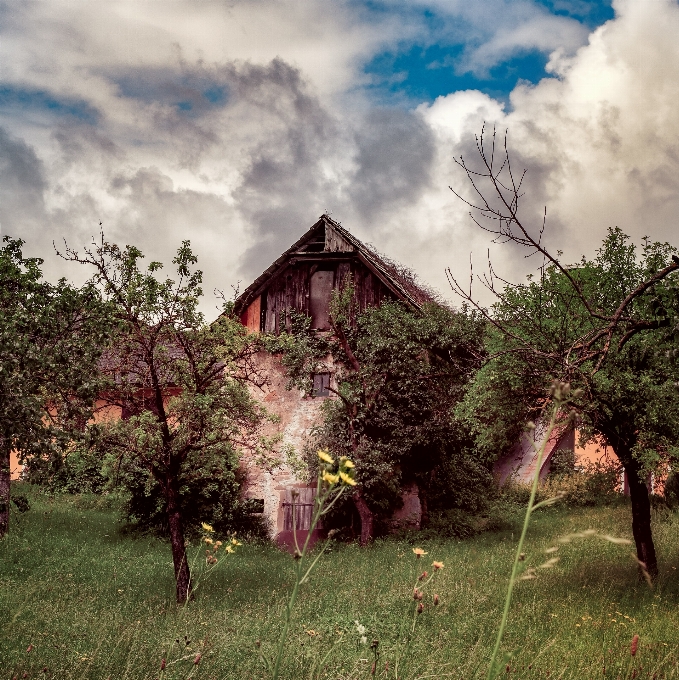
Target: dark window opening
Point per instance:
(315, 246)
(320, 290)
(255, 506)
(321, 385)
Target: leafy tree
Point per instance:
(182, 386)
(629, 400)
(399, 374)
(51, 337)
(600, 325)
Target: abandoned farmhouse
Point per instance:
(302, 279)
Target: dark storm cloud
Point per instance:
(284, 186)
(189, 92)
(395, 153)
(22, 186)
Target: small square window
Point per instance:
(321, 385)
(255, 506)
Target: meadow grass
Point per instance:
(96, 602)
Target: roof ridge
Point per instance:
(394, 275)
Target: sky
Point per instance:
(236, 123)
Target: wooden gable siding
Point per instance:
(290, 290)
(327, 246)
(251, 317)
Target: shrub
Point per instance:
(562, 462)
(595, 484)
(78, 472)
(455, 523)
(209, 489)
(672, 489)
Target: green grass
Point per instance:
(96, 603)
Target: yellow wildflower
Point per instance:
(326, 457)
(348, 464)
(346, 479)
(419, 552)
(331, 479)
(208, 540)
(235, 542)
(207, 527)
(229, 549)
(437, 565)
(218, 543)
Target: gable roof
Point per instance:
(334, 238)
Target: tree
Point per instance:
(607, 326)
(180, 383)
(51, 337)
(399, 374)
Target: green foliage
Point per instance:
(182, 389)
(21, 502)
(672, 489)
(303, 352)
(80, 471)
(562, 462)
(627, 371)
(398, 376)
(51, 337)
(597, 484)
(209, 491)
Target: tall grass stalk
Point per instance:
(560, 393)
(332, 480)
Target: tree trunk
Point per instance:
(367, 518)
(641, 519)
(424, 506)
(4, 488)
(181, 565)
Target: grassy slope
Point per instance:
(98, 604)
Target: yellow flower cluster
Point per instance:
(214, 546)
(333, 473)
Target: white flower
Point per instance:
(360, 628)
(364, 640)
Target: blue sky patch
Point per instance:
(591, 13)
(42, 101)
(422, 74)
(411, 72)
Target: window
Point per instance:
(321, 386)
(255, 506)
(320, 290)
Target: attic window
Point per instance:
(321, 386)
(320, 290)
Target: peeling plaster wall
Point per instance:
(297, 414)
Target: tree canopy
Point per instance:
(398, 375)
(51, 338)
(181, 387)
(628, 377)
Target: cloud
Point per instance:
(22, 187)
(395, 150)
(495, 31)
(237, 124)
(599, 141)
